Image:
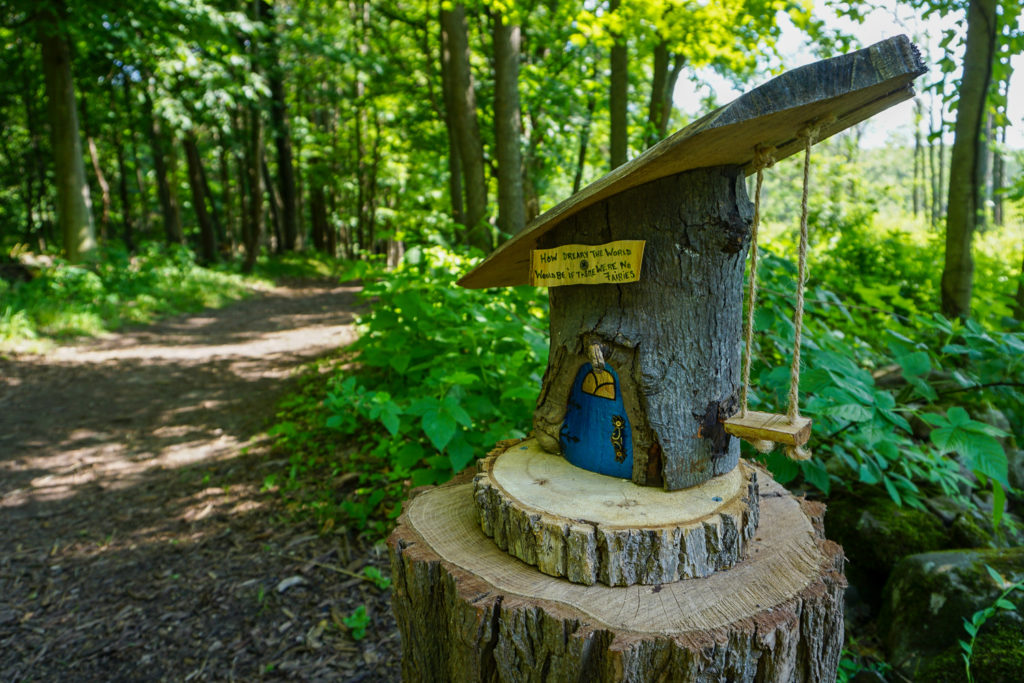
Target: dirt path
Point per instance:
(134, 541)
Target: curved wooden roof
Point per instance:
(850, 88)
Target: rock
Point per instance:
(969, 527)
(925, 602)
(876, 533)
(1015, 461)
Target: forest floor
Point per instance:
(135, 541)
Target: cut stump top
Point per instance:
(784, 559)
(850, 88)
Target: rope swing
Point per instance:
(763, 158)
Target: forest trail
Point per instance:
(135, 543)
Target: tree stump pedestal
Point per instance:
(469, 611)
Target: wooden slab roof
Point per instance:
(850, 88)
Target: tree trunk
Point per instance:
(917, 186)
(275, 204)
(693, 277)
(581, 154)
(619, 98)
(101, 180)
(318, 215)
(467, 611)
(508, 127)
(74, 206)
(963, 214)
(123, 194)
(1018, 309)
(663, 84)
(282, 136)
(207, 233)
(253, 230)
(164, 187)
(454, 154)
(467, 129)
(998, 177)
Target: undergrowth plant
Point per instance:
(111, 289)
(437, 377)
(978, 619)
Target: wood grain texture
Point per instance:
(592, 528)
(769, 427)
(467, 611)
(674, 337)
(850, 88)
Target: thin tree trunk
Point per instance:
(508, 126)
(917, 185)
(619, 98)
(275, 205)
(998, 178)
(1018, 309)
(207, 233)
(667, 68)
(97, 168)
(581, 156)
(74, 205)
(165, 191)
(467, 129)
(318, 216)
(282, 138)
(125, 197)
(454, 155)
(964, 193)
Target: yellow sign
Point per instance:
(587, 264)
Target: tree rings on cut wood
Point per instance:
(590, 528)
(468, 611)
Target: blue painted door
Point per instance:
(596, 433)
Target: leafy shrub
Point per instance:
(897, 435)
(437, 377)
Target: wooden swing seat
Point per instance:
(756, 426)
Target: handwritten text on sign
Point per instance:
(586, 264)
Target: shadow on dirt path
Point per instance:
(135, 543)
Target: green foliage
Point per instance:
(112, 289)
(897, 433)
(978, 619)
(357, 622)
(437, 377)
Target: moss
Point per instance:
(876, 533)
(999, 650)
(998, 655)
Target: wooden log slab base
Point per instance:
(590, 528)
(468, 611)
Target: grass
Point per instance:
(114, 288)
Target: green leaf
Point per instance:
(782, 468)
(934, 419)
(400, 362)
(893, 493)
(439, 427)
(409, 454)
(998, 503)
(461, 377)
(391, 422)
(996, 576)
(460, 454)
(914, 364)
(971, 629)
(851, 412)
(816, 475)
(1003, 603)
(958, 417)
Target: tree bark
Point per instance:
(74, 205)
(965, 196)
(122, 190)
(454, 154)
(282, 138)
(686, 307)
(619, 98)
(466, 611)
(581, 154)
(165, 190)
(667, 68)
(467, 129)
(207, 232)
(508, 126)
(253, 227)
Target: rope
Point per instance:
(796, 452)
(762, 159)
